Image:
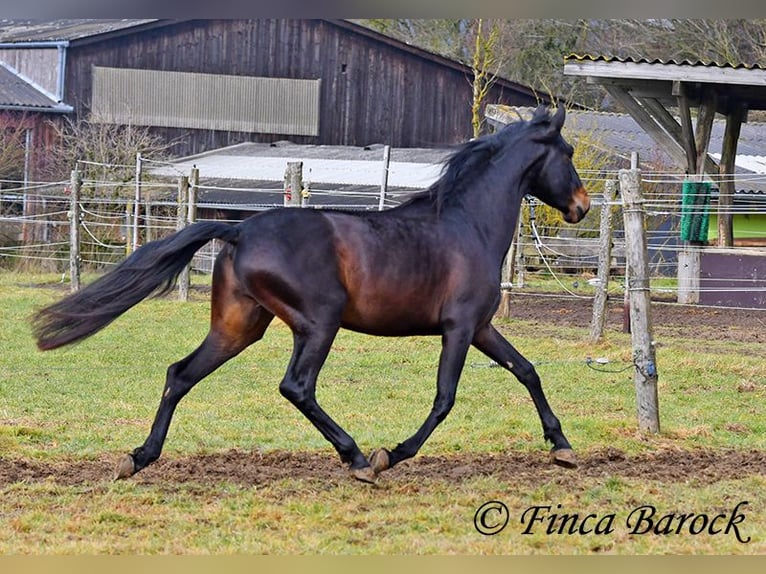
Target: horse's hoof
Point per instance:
(379, 460)
(365, 474)
(564, 457)
(126, 467)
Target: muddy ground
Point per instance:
(261, 469)
(255, 468)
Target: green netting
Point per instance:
(695, 208)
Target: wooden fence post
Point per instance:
(148, 229)
(137, 204)
(74, 230)
(519, 264)
(384, 182)
(191, 213)
(293, 185)
(604, 264)
(506, 284)
(644, 360)
(182, 198)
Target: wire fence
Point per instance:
(35, 227)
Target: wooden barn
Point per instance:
(207, 84)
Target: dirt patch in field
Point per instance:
(260, 469)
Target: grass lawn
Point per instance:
(96, 400)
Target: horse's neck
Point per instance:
(493, 210)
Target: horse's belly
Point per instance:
(387, 316)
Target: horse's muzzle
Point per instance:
(578, 206)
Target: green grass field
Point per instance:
(97, 399)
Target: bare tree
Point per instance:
(12, 147)
(106, 152)
(486, 62)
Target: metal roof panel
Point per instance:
(61, 30)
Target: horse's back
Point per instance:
(385, 273)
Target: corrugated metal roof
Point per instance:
(410, 168)
(665, 62)
(15, 92)
(250, 175)
(61, 30)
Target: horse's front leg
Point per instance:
(497, 348)
(455, 345)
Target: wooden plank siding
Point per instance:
(373, 90)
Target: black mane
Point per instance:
(470, 160)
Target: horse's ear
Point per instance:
(553, 128)
(557, 121)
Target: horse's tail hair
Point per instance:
(151, 269)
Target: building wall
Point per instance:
(40, 65)
(371, 91)
(43, 138)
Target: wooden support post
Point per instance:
(604, 264)
(293, 185)
(182, 198)
(74, 230)
(689, 257)
(644, 360)
(726, 184)
(689, 275)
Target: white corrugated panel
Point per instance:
(206, 101)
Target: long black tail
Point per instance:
(153, 268)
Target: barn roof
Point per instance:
(75, 32)
(663, 79)
(65, 30)
(250, 175)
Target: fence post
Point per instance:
(74, 230)
(645, 374)
(604, 263)
(191, 207)
(506, 280)
(182, 198)
(519, 265)
(191, 213)
(148, 230)
(293, 185)
(137, 203)
(384, 182)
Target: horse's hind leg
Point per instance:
(299, 387)
(236, 323)
(497, 348)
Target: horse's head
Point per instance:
(555, 180)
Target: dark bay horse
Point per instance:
(430, 266)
